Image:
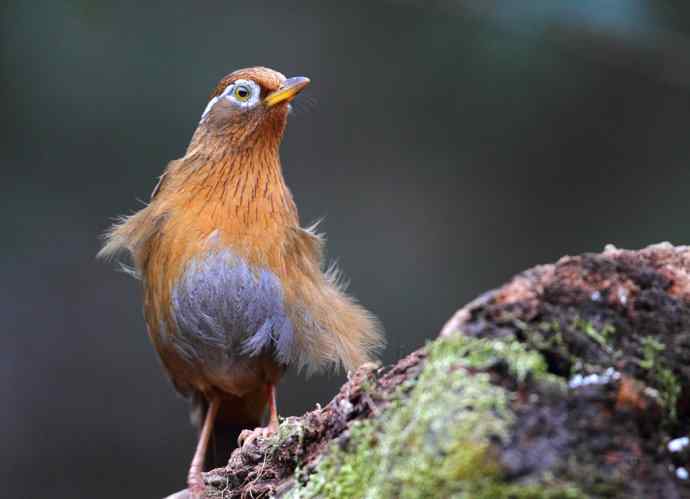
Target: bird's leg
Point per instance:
(248, 436)
(273, 409)
(195, 482)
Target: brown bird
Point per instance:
(234, 289)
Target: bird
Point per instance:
(235, 290)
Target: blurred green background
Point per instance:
(448, 144)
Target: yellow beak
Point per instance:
(287, 91)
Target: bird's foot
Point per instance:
(196, 486)
(247, 437)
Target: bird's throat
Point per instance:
(244, 183)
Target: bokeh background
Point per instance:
(449, 144)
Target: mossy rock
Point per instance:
(569, 381)
(419, 448)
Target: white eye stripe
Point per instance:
(228, 94)
(208, 107)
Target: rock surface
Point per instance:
(572, 380)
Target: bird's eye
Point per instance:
(242, 93)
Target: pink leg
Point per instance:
(273, 409)
(248, 436)
(195, 482)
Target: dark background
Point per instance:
(449, 145)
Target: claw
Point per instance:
(196, 487)
(247, 437)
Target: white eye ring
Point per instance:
(252, 100)
(253, 97)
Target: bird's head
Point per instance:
(249, 104)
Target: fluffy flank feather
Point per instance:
(115, 240)
(127, 236)
(336, 277)
(357, 334)
(336, 330)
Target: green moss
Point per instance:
(289, 428)
(435, 438)
(602, 335)
(547, 336)
(651, 348)
(661, 376)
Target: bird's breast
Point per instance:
(224, 309)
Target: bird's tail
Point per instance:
(234, 415)
(333, 330)
(336, 330)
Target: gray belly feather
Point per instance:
(224, 308)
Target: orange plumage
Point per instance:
(234, 288)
